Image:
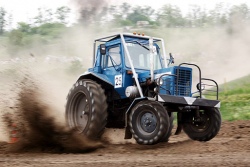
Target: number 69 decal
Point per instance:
(118, 81)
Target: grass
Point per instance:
(235, 99)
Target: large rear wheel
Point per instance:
(148, 122)
(86, 108)
(205, 127)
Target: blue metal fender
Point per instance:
(128, 134)
(99, 78)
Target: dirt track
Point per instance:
(230, 148)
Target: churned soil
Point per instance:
(231, 147)
(44, 142)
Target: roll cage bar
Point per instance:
(121, 35)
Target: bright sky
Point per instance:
(23, 10)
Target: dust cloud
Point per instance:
(94, 4)
(39, 128)
(39, 100)
(223, 54)
(88, 10)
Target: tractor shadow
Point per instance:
(132, 147)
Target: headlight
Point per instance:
(132, 91)
(200, 86)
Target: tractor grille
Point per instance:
(177, 86)
(183, 84)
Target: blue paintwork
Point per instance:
(97, 75)
(169, 85)
(108, 73)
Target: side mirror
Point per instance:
(171, 58)
(102, 49)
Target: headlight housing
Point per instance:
(200, 86)
(159, 81)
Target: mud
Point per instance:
(31, 123)
(231, 147)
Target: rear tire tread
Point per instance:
(98, 108)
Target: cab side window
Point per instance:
(113, 57)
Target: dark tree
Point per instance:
(2, 19)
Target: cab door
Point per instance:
(112, 68)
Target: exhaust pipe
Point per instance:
(151, 49)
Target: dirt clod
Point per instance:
(38, 131)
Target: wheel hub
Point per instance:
(148, 122)
(82, 112)
(201, 122)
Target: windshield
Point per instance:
(140, 56)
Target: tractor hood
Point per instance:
(143, 76)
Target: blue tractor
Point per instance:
(132, 85)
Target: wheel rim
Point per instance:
(80, 111)
(147, 122)
(202, 124)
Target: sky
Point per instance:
(23, 10)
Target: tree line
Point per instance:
(169, 16)
(46, 25)
(127, 15)
(51, 23)
(44, 15)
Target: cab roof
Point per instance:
(126, 35)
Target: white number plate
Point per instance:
(118, 81)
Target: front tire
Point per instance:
(206, 128)
(86, 108)
(165, 137)
(148, 122)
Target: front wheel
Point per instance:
(205, 127)
(148, 122)
(165, 137)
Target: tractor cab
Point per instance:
(121, 57)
